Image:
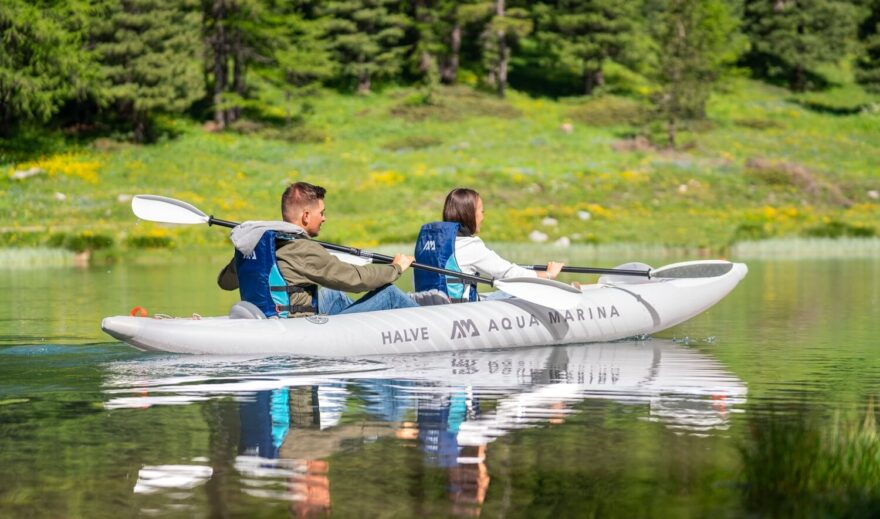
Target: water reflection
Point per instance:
(295, 415)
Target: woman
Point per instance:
(463, 214)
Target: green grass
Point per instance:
(30, 257)
(810, 466)
(388, 160)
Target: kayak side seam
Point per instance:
(651, 310)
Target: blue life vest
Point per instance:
(436, 246)
(261, 283)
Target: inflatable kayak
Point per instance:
(616, 307)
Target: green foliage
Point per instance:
(750, 231)
(43, 60)
(696, 39)
(365, 37)
(287, 56)
(149, 52)
(517, 152)
(838, 229)
(149, 241)
(794, 37)
(21, 239)
(500, 33)
(578, 36)
(82, 241)
(868, 63)
(794, 465)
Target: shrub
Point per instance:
(838, 229)
(453, 103)
(611, 111)
(759, 124)
(750, 231)
(781, 173)
(412, 142)
(79, 242)
(21, 239)
(150, 241)
(293, 133)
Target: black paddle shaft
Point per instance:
(374, 256)
(595, 270)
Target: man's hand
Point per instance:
(403, 261)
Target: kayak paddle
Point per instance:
(686, 270)
(544, 292)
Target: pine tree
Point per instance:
(868, 63)
(580, 35)
(800, 34)
(235, 35)
(42, 60)
(298, 57)
(150, 54)
(503, 28)
(365, 38)
(439, 27)
(695, 40)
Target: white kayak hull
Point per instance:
(606, 312)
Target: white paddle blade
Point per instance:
(615, 279)
(693, 269)
(351, 258)
(544, 292)
(162, 209)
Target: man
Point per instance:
(307, 266)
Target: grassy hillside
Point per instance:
(766, 164)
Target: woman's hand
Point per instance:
(553, 270)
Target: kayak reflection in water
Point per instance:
(453, 244)
(289, 429)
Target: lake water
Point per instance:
(765, 406)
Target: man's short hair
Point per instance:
(298, 197)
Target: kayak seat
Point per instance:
(430, 297)
(245, 310)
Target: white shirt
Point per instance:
(474, 257)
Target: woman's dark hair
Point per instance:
(461, 207)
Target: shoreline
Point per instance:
(13, 258)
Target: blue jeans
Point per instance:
(334, 302)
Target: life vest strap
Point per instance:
(296, 309)
(290, 289)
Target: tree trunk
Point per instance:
(139, 126)
(503, 53)
(238, 71)
(670, 132)
(218, 46)
(798, 79)
(503, 59)
(592, 80)
(423, 18)
(363, 87)
(449, 68)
